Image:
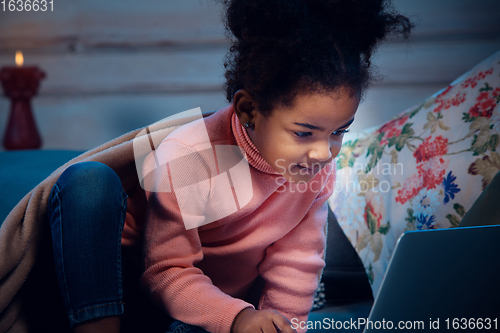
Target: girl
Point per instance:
(295, 74)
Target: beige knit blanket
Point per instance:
(25, 234)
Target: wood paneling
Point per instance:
(81, 123)
(187, 71)
(452, 19)
(431, 62)
(81, 26)
(88, 25)
(113, 65)
(128, 72)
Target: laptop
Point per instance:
(441, 281)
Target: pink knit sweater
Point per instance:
(201, 275)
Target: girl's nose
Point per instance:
(320, 152)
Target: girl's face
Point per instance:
(299, 140)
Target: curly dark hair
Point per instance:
(284, 47)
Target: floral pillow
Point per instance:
(421, 170)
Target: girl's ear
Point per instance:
(244, 106)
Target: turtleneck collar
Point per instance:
(255, 159)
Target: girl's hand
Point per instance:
(261, 321)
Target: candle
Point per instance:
(19, 59)
(20, 83)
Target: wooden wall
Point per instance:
(113, 66)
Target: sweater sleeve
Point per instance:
(293, 265)
(171, 250)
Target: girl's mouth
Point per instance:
(311, 170)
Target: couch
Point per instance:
(423, 169)
(446, 152)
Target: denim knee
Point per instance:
(89, 187)
(86, 210)
(94, 181)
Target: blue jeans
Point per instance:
(86, 210)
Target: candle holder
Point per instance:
(20, 84)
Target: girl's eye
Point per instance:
(303, 134)
(340, 132)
